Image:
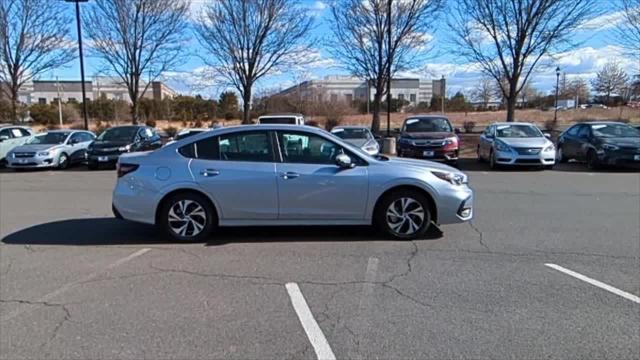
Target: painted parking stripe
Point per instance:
(46, 298)
(597, 283)
(314, 333)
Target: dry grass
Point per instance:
(480, 118)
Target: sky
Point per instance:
(596, 38)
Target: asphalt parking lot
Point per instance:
(519, 282)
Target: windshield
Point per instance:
(614, 130)
(518, 131)
(278, 120)
(347, 134)
(118, 134)
(49, 139)
(427, 125)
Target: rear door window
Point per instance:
(246, 146)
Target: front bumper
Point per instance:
(100, 159)
(428, 153)
(620, 158)
(35, 162)
(512, 158)
(455, 206)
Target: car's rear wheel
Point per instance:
(592, 160)
(403, 215)
(187, 217)
(63, 161)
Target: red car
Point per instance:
(429, 137)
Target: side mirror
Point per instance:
(489, 136)
(344, 161)
(396, 129)
(457, 130)
(547, 135)
(73, 141)
(3, 138)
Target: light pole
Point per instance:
(84, 91)
(389, 69)
(555, 114)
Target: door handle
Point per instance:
(290, 175)
(209, 172)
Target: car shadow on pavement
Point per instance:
(472, 164)
(111, 231)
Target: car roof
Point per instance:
(601, 122)
(427, 116)
(513, 123)
(281, 114)
(351, 127)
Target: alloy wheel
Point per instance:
(187, 218)
(405, 216)
(63, 161)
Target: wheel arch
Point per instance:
(216, 212)
(432, 204)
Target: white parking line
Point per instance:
(25, 307)
(314, 333)
(597, 283)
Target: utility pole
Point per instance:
(389, 60)
(442, 92)
(59, 101)
(84, 92)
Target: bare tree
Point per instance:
(137, 40)
(610, 79)
(527, 93)
(628, 30)
(34, 37)
(246, 40)
(483, 92)
(360, 39)
(578, 89)
(508, 38)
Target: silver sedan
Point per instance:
(284, 175)
(54, 149)
(510, 144)
(359, 136)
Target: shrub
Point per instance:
(151, 123)
(77, 126)
(312, 123)
(468, 126)
(197, 124)
(171, 131)
(100, 127)
(332, 121)
(53, 126)
(625, 121)
(229, 116)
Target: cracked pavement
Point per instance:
(477, 290)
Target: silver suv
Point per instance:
(284, 175)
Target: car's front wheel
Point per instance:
(187, 217)
(63, 161)
(403, 215)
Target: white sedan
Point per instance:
(511, 144)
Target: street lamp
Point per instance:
(389, 69)
(555, 114)
(84, 92)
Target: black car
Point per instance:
(600, 143)
(428, 137)
(114, 141)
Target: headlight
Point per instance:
(125, 148)
(405, 141)
(500, 146)
(452, 178)
(609, 147)
(43, 153)
(551, 147)
(451, 140)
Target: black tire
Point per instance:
(560, 155)
(381, 217)
(169, 227)
(592, 160)
(480, 159)
(492, 161)
(63, 161)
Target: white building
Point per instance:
(348, 89)
(48, 91)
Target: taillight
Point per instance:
(124, 169)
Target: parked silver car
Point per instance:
(284, 175)
(59, 148)
(10, 137)
(516, 144)
(359, 136)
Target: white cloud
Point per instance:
(602, 22)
